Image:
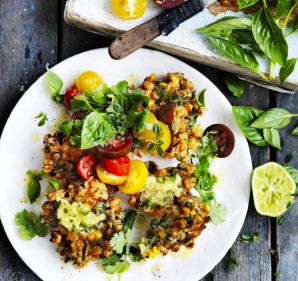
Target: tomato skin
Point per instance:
(136, 179)
(148, 133)
(224, 138)
(69, 95)
(117, 166)
(117, 148)
(165, 114)
(85, 166)
(109, 178)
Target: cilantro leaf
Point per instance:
(118, 242)
(247, 237)
(118, 267)
(141, 118)
(30, 225)
(110, 260)
(55, 85)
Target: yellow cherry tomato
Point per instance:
(148, 133)
(88, 81)
(109, 178)
(165, 135)
(136, 179)
(129, 9)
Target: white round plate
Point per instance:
(20, 150)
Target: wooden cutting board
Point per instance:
(97, 16)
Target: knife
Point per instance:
(163, 24)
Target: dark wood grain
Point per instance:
(32, 33)
(27, 41)
(287, 233)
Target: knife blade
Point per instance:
(163, 24)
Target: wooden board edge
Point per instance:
(74, 19)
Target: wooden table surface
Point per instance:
(32, 33)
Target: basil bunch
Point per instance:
(241, 38)
(261, 127)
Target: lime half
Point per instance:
(273, 189)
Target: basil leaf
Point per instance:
(269, 36)
(140, 120)
(55, 183)
(97, 129)
(273, 118)
(201, 98)
(287, 70)
(246, 3)
(226, 24)
(283, 6)
(295, 131)
(55, 85)
(234, 84)
(129, 221)
(234, 52)
(244, 116)
(33, 190)
(272, 137)
(100, 95)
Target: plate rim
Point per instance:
(34, 268)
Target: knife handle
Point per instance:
(134, 39)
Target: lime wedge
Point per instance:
(273, 189)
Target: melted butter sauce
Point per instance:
(183, 253)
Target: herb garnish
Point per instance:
(281, 220)
(43, 118)
(33, 185)
(30, 225)
(238, 37)
(55, 183)
(55, 85)
(247, 237)
(273, 252)
(119, 262)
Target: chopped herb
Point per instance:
(30, 225)
(281, 220)
(43, 118)
(273, 252)
(55, 183)
(289, 158)
(246, 238)
(232, 260)
(277, 274)
(118, 242)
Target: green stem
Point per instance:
(288, 16)
(265, 4)
(272, 70)
(262, 75)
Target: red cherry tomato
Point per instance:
(168, 4)
(85, 166)
(223, 137)
(70, 93)
(117, 166)
(118, 147)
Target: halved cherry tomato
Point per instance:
(117, 166)
(70, 93)
(165, 113)
(168, 4)
(129, 9)
(136, 179)
(85, 166)
(223, 137)
(118, 147)
(109, 178)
